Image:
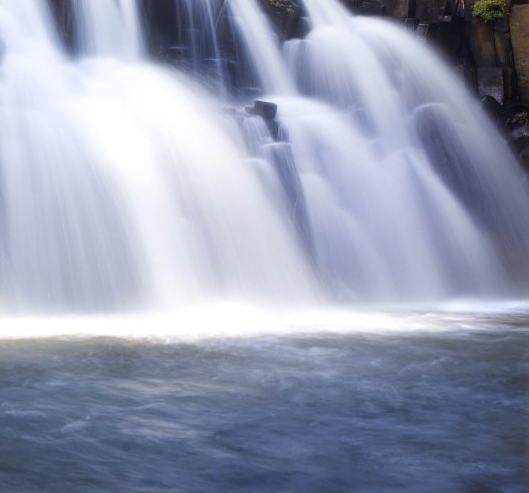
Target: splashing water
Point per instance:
(379, 216)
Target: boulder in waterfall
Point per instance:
(267, 111)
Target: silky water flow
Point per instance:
(124, 184)
(197, 298)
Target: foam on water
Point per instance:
(214, 321)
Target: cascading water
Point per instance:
(261, 48)
(201, 298)
(197, 32)
(121, 186)
(398, 171)
(108, 28)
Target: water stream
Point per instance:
(197, 298)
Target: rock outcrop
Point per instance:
(519, 27)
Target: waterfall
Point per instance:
(261, 47)
(108, 28)
(122, 186)
(197, 22)
(125, 184)
(398, 167)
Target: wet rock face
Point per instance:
(63, 14)
(493, 56)
(371, 7)
(519, 24)
(159, 22)
(482, 44)
(491, 83)
(286, 17)
(520, 148)
(513, 123)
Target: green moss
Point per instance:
(521, 118)
(281, 6)
(490, 10)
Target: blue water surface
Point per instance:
(430, 412)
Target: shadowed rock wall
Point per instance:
(519, 27)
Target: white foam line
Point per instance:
(240, 321)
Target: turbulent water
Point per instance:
(197, 298)
(410, 403)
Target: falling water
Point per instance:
(124, 184)
(397, 168)
(261, 47)
(122, 187)
(199, 295)
(108, 28)
(198, 32)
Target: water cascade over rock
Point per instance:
(125, 184)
